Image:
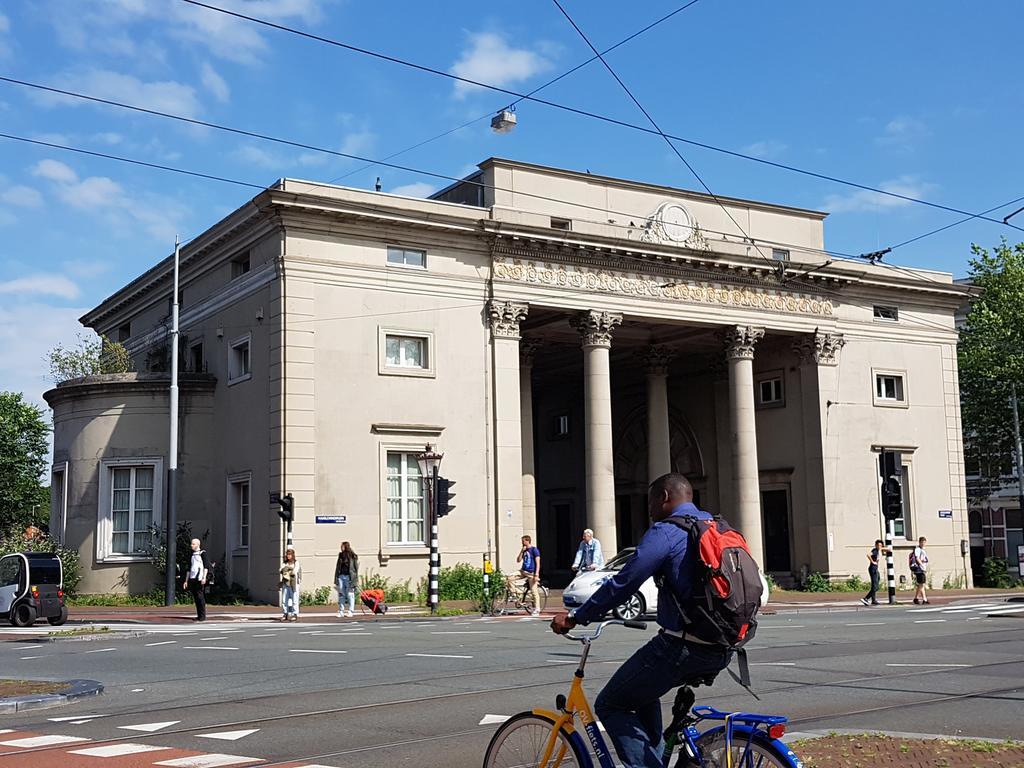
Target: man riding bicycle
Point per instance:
(629, 705)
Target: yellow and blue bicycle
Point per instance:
(550, 739)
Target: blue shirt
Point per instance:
(662, 551)
(530, 559)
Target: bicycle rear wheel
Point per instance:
(520, 742)
(755, 754)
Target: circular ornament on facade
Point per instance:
(675, 222)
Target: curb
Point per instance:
(79, 689)
(83, 638)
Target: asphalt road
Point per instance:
(386, 692)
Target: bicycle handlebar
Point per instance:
(596, 633)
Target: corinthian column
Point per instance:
(505, 317)
(527, 349)
(659, 453)
(595, 329)
(739, 352)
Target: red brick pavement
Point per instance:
(874, 751)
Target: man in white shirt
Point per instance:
(195, 581)
(588, 555)
(919, 568)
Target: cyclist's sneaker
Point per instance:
(865, 601)
(535, 613)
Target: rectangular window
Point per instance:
(890, 314)
(560, 425)
(239, 362)
(131, 510)
(406, 353)
(407, 257)
(405, 500)
(124, 332)
(770, 392)
(196, 360)
(780, 254)
(58, 501)
(889, 388)
(240, 265)
(563, 224)
(240, 491)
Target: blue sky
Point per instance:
(918, 98)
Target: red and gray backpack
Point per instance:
(723, 605)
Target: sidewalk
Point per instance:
(786, 600)
(906, 750)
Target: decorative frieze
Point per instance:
(740, 341)
(528, 346)
(506, 317)
(822, 348)
(640, 286)
(595, 328)
(656, 358)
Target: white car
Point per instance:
(586, 584)
(643, 601)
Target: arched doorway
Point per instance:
(631, 481)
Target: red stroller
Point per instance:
(374, 600)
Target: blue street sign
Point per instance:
(945, 513)
(332, 518)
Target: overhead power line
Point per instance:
(583, 112)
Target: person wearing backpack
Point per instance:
(195, 579)
(686, 647)
(919, 567)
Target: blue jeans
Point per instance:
(346, 592)
(289, 600)
(629, 706)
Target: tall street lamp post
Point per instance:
(429, 462)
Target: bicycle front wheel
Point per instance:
(753, 754)
(520, 743)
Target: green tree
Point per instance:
(89, 357)
(991, 359)
(23, 448)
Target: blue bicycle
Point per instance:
(550, 739)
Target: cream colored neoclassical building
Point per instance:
(563, 338)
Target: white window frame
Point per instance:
(886, 402)
(405, 546)
(780, 254)
(234, 516)
(427, 371)
(233, 345)
(885, 308)
(770, 376)
(404, 264)
(105, 515)
(59, 504)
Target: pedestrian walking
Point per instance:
(871, 598)
(291, 582)
(919, 567)
(195, 579)
(529, 556)
(346, 577)
(589, 556)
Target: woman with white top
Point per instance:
(291, 580)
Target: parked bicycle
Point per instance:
(550, 739)
(515, 595)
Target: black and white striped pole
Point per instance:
(890, 570)
(890, 469)
(429, 462)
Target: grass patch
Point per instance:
(79, 631)
(29, 688)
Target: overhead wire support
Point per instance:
(583, 112)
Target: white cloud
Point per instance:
(864, 200)
(20, 195)
(40, 285)
(85, 267)
(5, 27)
(417, 189)
(108, 137)
(903, 133)
(489, 59)
(54, 170)
(215, 84)
(27, 331)
(358, 143)
(5, 24)
(164, 96)
(253, 155)
(767, 149)
(93, 192)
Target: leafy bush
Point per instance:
(397, 592)
(318, 596)
(854, 584)
(817, 582)
(772, 586)
(954, 581)
(69, 558)
(153, 597)
(91, 356)
(995, 573)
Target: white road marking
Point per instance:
(138, 690)
(312, 632)
(26, 658)
(1008, 609)
(972, 607)
(210, 639)
(30, 647)
(42, 741)
(102, 650)
(344, 634)
(227, 735)
(784, 626)
(463, 632)
(229, 631)
(149, 727)
(264, 635)
(6, 730)
(867, 624)
(493, 719)
(929, 665)
(308, 650)
(560, 661)
(209, 648)
(81, 722)
(162, 642)
(208, 761)
(438, 656)
(117, 750)
(773, 664)
(929, 621)
(68, 719)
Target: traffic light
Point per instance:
(890, 465)
(444, 496)
(287, 508)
